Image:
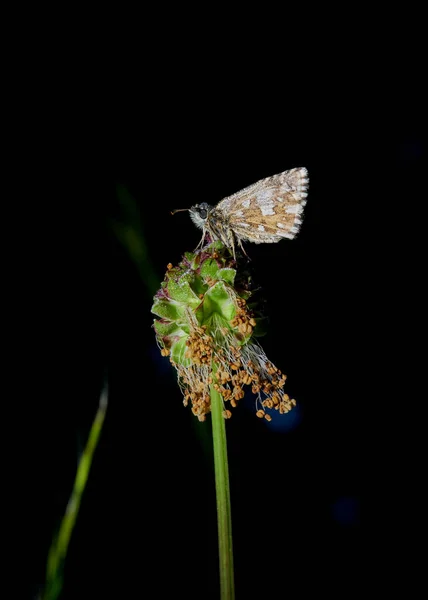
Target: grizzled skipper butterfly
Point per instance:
(263, 213)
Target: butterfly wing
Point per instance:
(268, 210)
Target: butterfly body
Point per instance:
(266, 212)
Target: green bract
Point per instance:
(198, 291)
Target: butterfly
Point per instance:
(265, 212)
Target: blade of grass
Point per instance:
(59, 546)
(224, 515)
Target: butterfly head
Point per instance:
(199, 214)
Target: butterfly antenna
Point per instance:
(178, 210)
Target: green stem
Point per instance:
(224, 517)
(59, 547)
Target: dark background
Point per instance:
(119, 161)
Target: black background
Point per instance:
(148, 516)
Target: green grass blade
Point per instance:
(59, 547)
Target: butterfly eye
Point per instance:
(203, 213)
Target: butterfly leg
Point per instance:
(201, 243)
(242, 247)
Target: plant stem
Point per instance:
(224, 517)
(59, 547)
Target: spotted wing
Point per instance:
(268, 210)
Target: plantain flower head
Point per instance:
(207, 323)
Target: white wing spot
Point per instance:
(295, 209)
(265, 201)
(243, 224)
(280, 225)
(246, 203)
(267, 210)
(239, 213)
(260, 228)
